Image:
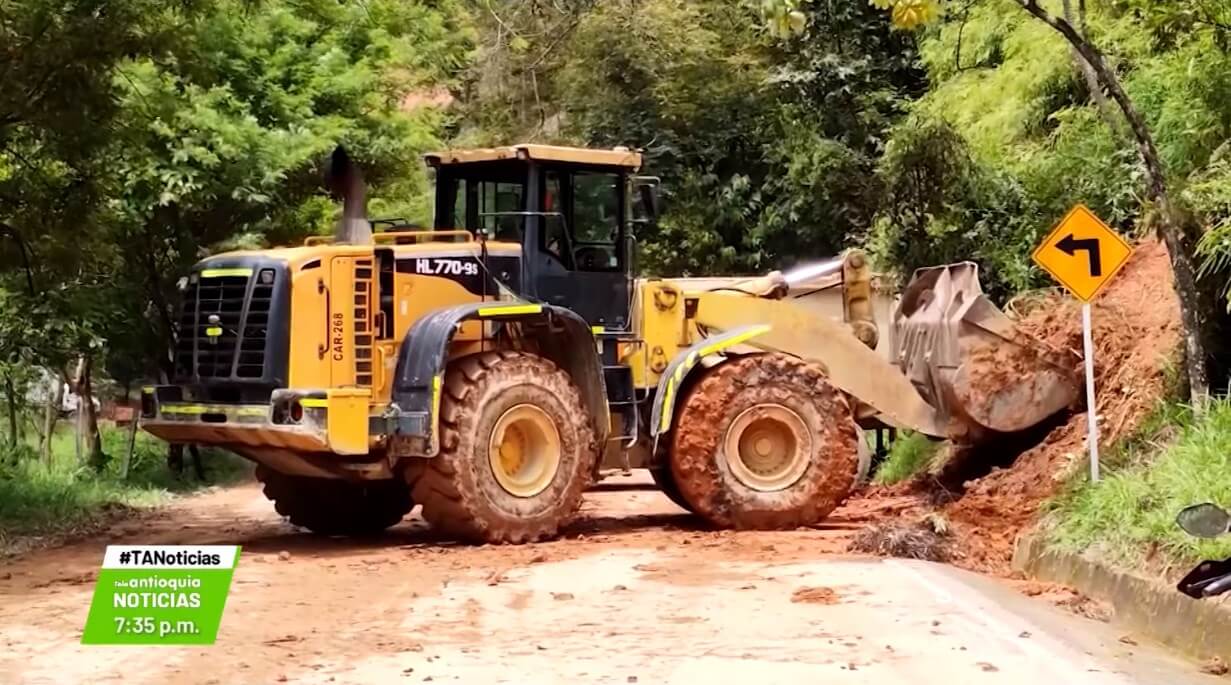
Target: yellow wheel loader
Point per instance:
(487, 367)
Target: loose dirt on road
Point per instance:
(314, 600)
(633, 593)
(815, 595)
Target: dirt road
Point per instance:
(635, 593)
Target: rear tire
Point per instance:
(517, 451)
(336, 507)
(665, 481)
(765, 442)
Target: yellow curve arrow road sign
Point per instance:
(1082, 253)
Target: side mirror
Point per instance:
(645, 205)
(1204, 520)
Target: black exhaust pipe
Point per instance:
(345, 182)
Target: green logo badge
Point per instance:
(160, 595)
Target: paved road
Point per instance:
(636, 594)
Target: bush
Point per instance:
(12, 456)
(943, 207)
(911, 454)
(37, 498)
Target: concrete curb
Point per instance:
(1146, 606)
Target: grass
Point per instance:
(910, 454)
(1174, 460)
(38, 499)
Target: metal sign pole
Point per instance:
(1091, 405)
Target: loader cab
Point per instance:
(570, 210)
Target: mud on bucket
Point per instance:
(968, 360)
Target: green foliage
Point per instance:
(40, 499)
(225, 135)
(910, 455)
(1130, 515)
(1161, 427)
(1020, 139)
(766, 142)
(940, 206)
(686, 82)
(1174, 22)
(202, 142)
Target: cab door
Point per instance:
(581, 246)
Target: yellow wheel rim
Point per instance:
(524, 450)
(767, 447)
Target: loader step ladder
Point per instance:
(618, 378)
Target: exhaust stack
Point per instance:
(345, 182)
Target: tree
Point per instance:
(1204, 327)
(1205, 320)
(222, 138)
(767, 149)
(509, 89)
(189, 129)
(56, 113)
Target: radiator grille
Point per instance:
(224, 326)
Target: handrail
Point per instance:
(394, 236)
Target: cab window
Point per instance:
(500, 207)
(596, 208)
(484, 197)
(586, 236)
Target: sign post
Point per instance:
(1084, 254)
(1087, 345)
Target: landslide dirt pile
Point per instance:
(1136, 335)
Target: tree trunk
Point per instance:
(75, 386)
(166, 316)
(92, 444)
(1179, 232)
(50, 417)
(132, 443)
(1092, 80)
(11, 394)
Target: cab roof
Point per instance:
(620, 156)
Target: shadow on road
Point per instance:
(622, 486)
(415, 534)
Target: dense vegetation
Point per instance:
(783, 130)
(194, 127)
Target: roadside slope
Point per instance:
(1136, 333)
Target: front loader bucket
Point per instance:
(968, 360)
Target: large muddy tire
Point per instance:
(765, 442)
(336, 507)
(517, 450)
(665, 480)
